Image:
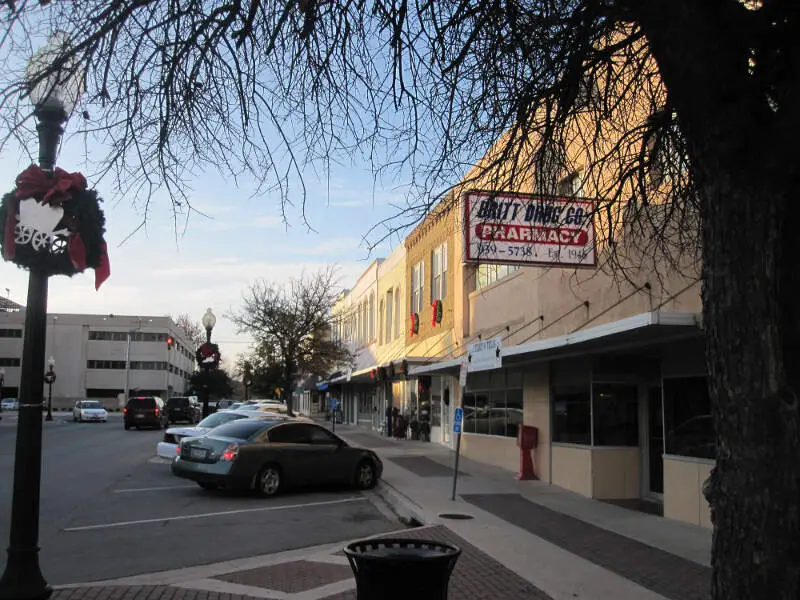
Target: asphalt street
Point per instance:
(110, 509)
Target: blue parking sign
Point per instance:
(334, 403)
(458, 419)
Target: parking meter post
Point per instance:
(455, 469)
(458, 421)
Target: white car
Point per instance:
(168, 447)
(89, 410)
(9, 404)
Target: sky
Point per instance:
(164, 269)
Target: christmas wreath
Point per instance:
(54, 225)
(208, 356)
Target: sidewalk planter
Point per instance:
(399, 569)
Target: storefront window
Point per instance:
(572, 415)
(496, 409)
(616, 414)
(687, 418)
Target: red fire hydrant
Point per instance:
(527, 440)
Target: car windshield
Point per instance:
(250, 407)
(91, 404)
(241, 429)
(218, 419)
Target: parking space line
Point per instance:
(153, 489)
(215, 514)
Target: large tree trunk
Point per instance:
(751, 301)
(742, 156)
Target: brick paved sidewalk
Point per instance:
(477, 576)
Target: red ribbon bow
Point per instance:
(54, 189)
(34, 182)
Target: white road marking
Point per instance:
(153, 489)
(214, 514)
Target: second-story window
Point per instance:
(389, 313)
(439, 273)
(417, 286)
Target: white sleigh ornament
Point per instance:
(36, 225)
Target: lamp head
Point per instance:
(55, 78)
(51, 362)
(209, 320)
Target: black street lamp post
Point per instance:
(208, 320)
(54, 95)
(49, 379)
(2, 385)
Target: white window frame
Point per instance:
(439, 273)
(389, 314)
(398, 317)
(417, 286)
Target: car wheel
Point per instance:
(127, 427)
(207, 486)
(269, 481)
(74, 418)
(365, 475)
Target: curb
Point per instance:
(409, 512)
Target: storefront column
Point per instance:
(536, 413)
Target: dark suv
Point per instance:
(145, 411)
(181, 408)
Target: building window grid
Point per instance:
(7, 361)
(10, 333)
(389, 315)
(398, 323)
(439, 273)
(417, 287)
(487, 274)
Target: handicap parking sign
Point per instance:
(457, 420)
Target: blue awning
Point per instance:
(322, 386)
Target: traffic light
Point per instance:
(170, 342)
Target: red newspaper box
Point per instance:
(527, 440)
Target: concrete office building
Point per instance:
(102, 356)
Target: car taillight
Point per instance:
(178, 449)
(124, 410)
(156, 412)
(231, 452)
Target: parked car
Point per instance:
(270, 455)
(9, 404)
(167, 447)
(183, 408)
(89, 410)
(145, 411)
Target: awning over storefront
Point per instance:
(640, 330)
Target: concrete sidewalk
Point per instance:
(564, 544)
(318, 573)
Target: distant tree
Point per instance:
(192, 329)
(290, 324)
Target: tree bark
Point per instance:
(742, 155)
(750, 303)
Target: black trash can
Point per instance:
(402, 569)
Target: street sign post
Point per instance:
(458, 421)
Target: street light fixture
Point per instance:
(49, 379)
(54, 86)
(2, 385)
(208, 321)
